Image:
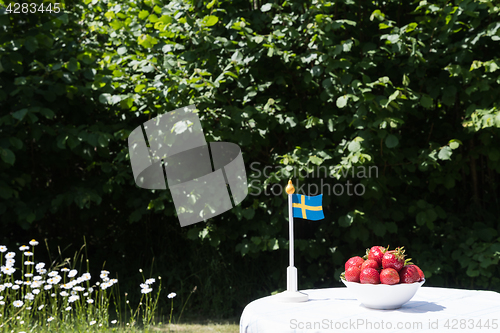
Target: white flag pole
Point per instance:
(291, 295)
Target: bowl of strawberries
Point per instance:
(383, 278)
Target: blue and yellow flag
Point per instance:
(309, 208)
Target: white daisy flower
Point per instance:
(10, 262)
(41, 307)
(90, 289)
(68, 308)
(105, 279)
(78, 288)
(33, 242)
(86, 276)
(53, 295)
(72, 273)
(15, 287)
(8, 284)
(2, 287)
(28, 283)
(150, 281)
(73, 298)
(90, 301)
(172, 295)
(10, 255)
(19, 282)
(28, 275)
(40, 265)
(92, 322)
(2, 303)
(28, 253)
(35, 291)
(29, 296)
(24, 248)
(41, 271)
(50, 319)
(3, 248)
(113, 321)
(53, 273)
(7, 270)
(144, 286)
(18, 304)
(28, 263)
(1, 298)
(85, 294)
(105, 285)
(37, 284)
(65, 269)
(47, 287)
(64, 293)
(146, 290)
(54, 280)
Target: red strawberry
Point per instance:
(354, 261)
(409, 274)
(376, 253)
(394, 259)
(389, 276)
(369, 263)
(369, 275)
(422, 276)
(352, 274)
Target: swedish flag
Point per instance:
(309, 208)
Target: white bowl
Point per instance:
(383, 296)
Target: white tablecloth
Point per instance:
(336, 310)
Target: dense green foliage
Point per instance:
(399, 98)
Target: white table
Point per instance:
(336, 310)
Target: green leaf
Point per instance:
(421, 218)
(406, 80)
(31, 44)
(20, 81)
(391, 141)
(342, 101)
(445, 153)
(73, 65)
(152, 18)
(19, 115)
(354, 146)
(248, 213)
(139, 88)
(426, 101)
(330, 125)
(30, 217)
(316, 160)
(143, 14)
(7, 156)
(16, 142)
(48, 113)
(346, 220)
(210, 20)
(121, 50)
(266, 7)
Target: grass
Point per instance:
(35, 297)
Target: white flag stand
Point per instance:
(291, 295)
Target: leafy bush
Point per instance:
(395, 103)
